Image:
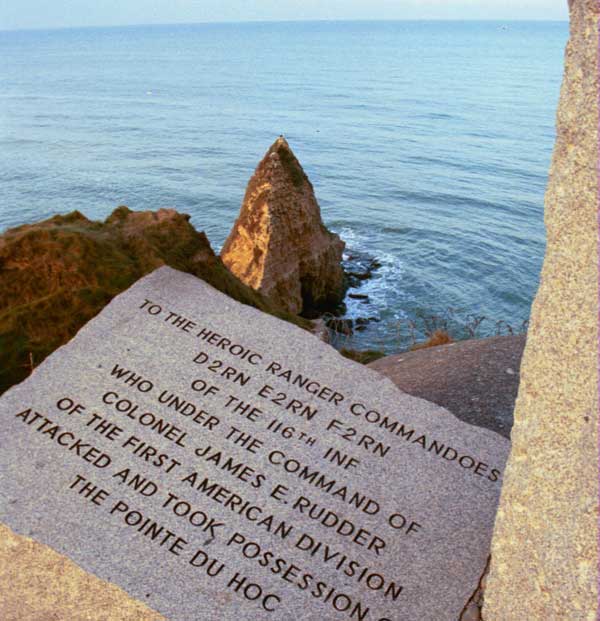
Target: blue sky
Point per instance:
(17, 14)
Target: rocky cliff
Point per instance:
(279, 244)
(57, 274)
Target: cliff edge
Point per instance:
(57, 274)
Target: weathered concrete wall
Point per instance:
(544, 552)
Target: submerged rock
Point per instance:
(360, 275)
(342, 326)
(362, 322)
(57, 274)
(279, 244)
(358, 267)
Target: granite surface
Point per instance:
(180, 448)
(477, 380)
(545, 547)
(38, 584)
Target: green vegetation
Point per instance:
(414, 334)
(58, 274)
(362, 356)
(292, 166)
(439, 337)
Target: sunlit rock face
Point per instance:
(279, 244)
(57, 274)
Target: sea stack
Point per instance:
(279, 244)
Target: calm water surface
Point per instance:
(428, 143)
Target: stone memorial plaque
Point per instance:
(220, 464)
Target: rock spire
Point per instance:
(279, 244)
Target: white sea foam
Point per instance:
(384, 288)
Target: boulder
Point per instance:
(359, 296)
(477, 380)
(545, 546)
(343, 326)
(57, 274)
(279, 244)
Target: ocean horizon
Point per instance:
(428, 143)
(283, 21)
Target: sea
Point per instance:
(428, 145)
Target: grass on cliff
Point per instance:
(58, 274)
(423, 332)
(364, 356)
(439, 337)
(292, 166)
